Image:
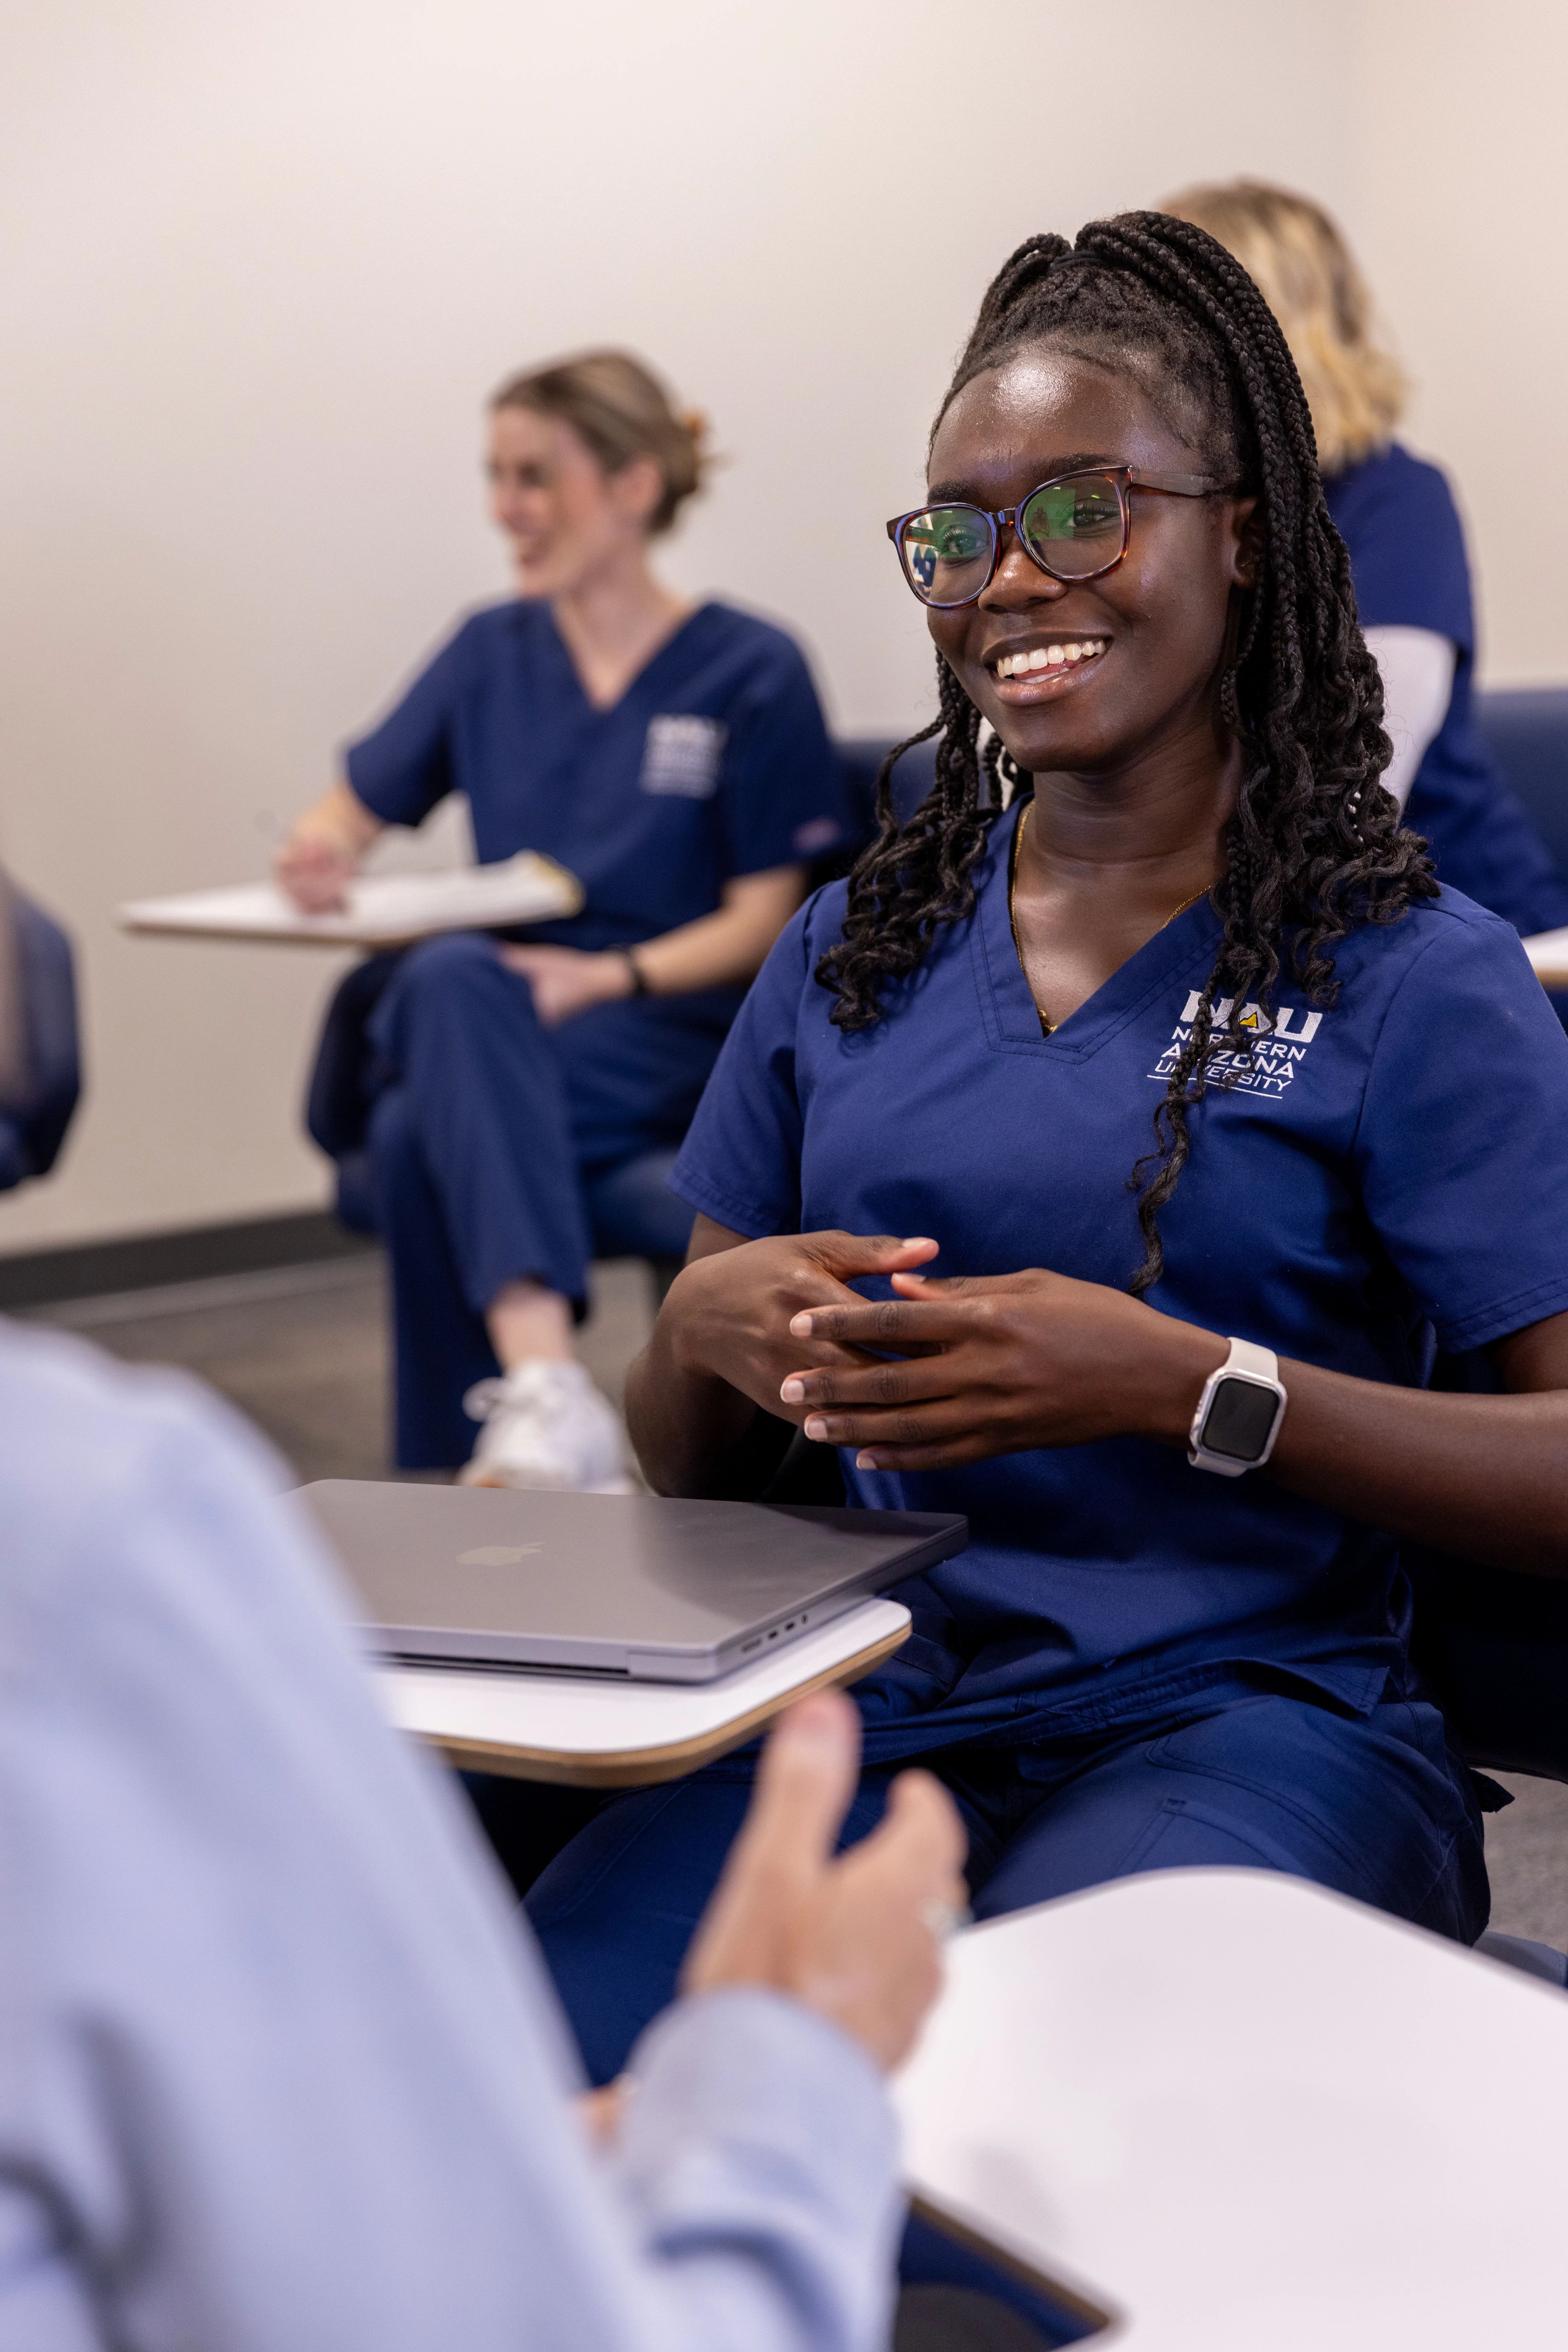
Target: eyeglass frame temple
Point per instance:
(1125, 478)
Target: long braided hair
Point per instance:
(1315, 843)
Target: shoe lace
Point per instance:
(530, 1384)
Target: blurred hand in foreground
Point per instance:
(859, 1937)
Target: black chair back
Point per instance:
(1527, 734)
(338, 1098)
(861, 756)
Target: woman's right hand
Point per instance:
(727, 1313)
(322, 855)
(313, 873)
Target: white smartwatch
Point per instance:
(1238, 1414)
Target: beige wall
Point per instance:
(1462, 176)
(262, 265)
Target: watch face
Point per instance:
(1240, 1419)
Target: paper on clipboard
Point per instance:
(382, 910)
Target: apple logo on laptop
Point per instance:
(496, 1554)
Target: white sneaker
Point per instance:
(545, 1424)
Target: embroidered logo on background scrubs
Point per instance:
(817, 833)
(1269, 1065)
(681, 755)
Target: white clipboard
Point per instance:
(383, 910)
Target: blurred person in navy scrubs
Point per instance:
(531, 1093)
(40, 1064)
(1396, 516)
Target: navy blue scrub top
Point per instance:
(1397, 519)
(1385, 1176)
(714, 764)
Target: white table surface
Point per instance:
(1246, 2115)
(576, 1717)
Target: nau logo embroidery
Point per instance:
(1270, 1061)
(681, 756)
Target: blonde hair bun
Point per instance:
(622, 410)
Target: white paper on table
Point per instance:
(383, 910)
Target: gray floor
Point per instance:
(303, 1351)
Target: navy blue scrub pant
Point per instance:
(1374, 1806)
(498, 1151)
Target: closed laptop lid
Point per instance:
(615, 1583)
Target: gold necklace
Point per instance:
(1048, 1027)
(1045, 1027)
(1184, 905)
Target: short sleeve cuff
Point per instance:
(803, 843)
(382, 794)
(1482, 1324)
(700, 1193)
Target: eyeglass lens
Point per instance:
(1073, 527)
(947, 553)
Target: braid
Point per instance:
(1314, 845)
(916, 876)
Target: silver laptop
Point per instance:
(629, 1585)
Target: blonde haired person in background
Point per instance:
(1396, 516)
(526, 1098)
(1294, 253)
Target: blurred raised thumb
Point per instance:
(804, 1784)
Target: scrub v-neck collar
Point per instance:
(1007, 1002)
(637, 682)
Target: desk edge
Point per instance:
(265, 937)
(645, 1768)
(1102, 2316)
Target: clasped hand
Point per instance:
(951, 1372)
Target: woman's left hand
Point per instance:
(999, 1364)
(565, 982)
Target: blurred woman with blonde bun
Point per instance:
(1397, 518)
(521, 1100)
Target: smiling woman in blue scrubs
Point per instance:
(529, 1096)
(1212, 1118)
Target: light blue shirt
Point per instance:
(279, 2068)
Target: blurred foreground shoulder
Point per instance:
(77, 1428)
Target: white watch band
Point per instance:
(1262, 1362)
(1258, 1368)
